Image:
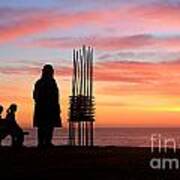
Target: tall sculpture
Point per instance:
(81, 110)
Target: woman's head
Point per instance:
(48, 70)
(12, 108)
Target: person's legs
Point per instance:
(41, 136)
(17, 137)
(49, 135)
(13, 140)
(20, 139)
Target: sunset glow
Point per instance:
(137, 56)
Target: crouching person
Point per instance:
(12, 128)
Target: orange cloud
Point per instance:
(139, 78)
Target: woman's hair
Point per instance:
(12, 108)
(47, 70)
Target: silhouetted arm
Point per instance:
(57, 96)
(36, 92)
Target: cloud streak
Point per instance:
(18, 23)
(141, 41)
(149, 18)
(32, 70)
(127, 76)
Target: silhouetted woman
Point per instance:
(12, 128)
(47, 108)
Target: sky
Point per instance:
(137, 56)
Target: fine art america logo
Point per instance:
(163, 147)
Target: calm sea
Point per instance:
(132, 137)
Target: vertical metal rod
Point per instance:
(88, 76)
(92, 134)
(85, 75)
(81, 71)
(74, 74)
(85, 59)
(83, 133)
(87, 138)
(79, 133)
(70, 135)
(91, 72)
(73, 93)
(78, 73)
(74, 135)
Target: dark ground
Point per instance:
(82, 163)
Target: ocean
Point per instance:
(131, 137)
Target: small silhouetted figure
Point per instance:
(11, 127)
(1, 110)
(47, 108)
(1, 119)
(1, 123)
